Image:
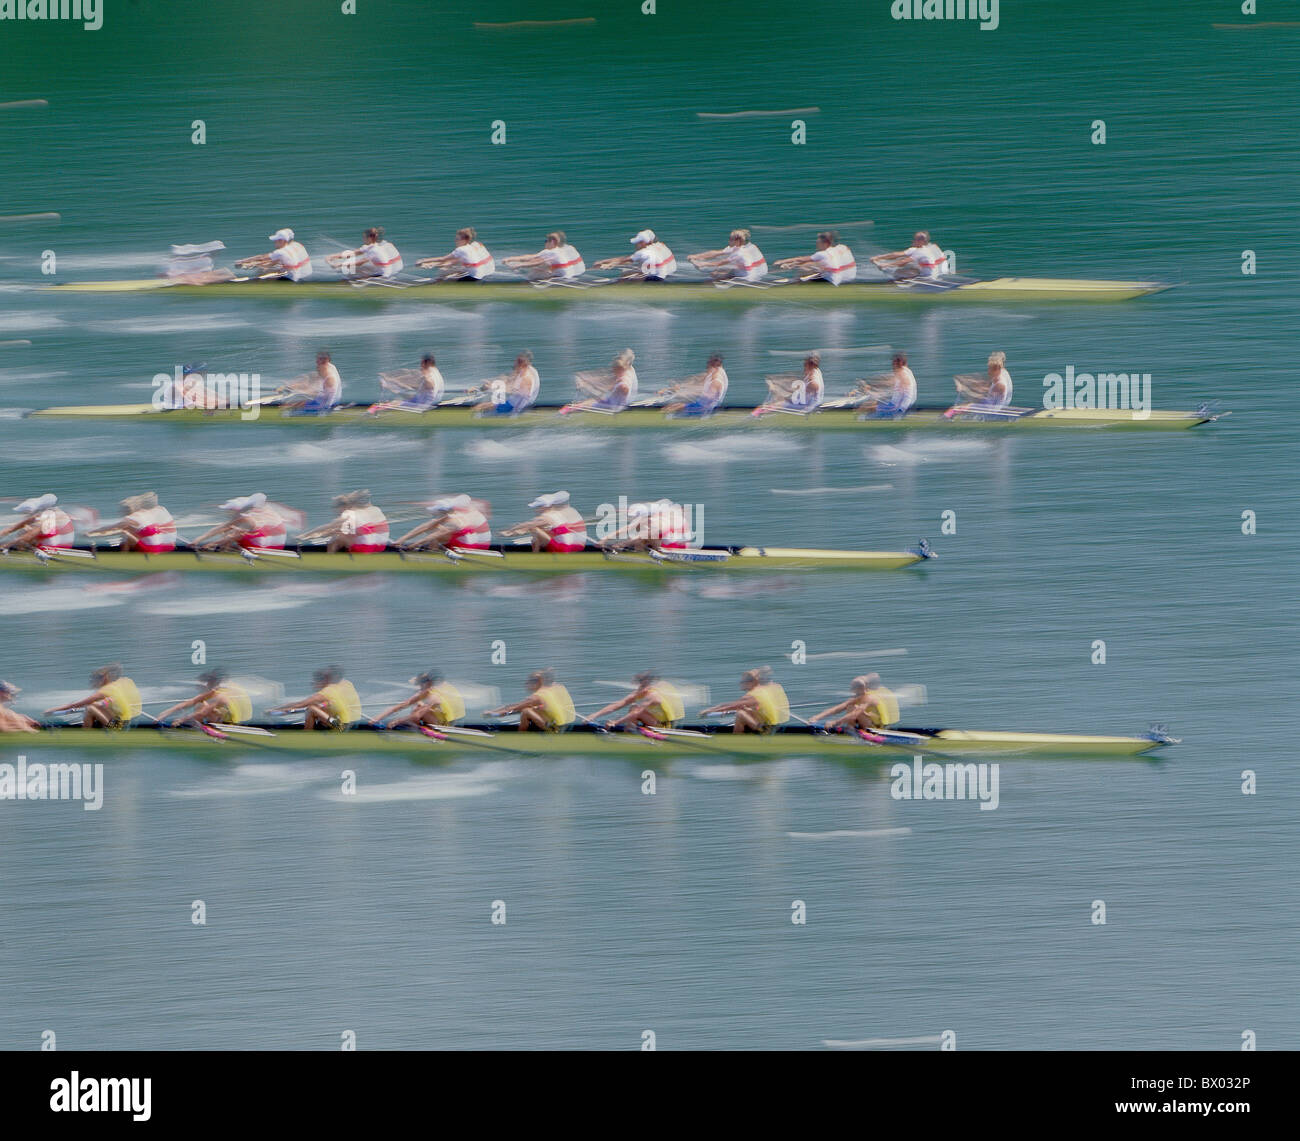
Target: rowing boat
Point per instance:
(587, 741)
(927, 417)
(500, 558)
(1021, 289)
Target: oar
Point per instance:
(436, 735)
(684, 736)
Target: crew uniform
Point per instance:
(772, 706)
(557, 707)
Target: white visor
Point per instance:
(281, 236)
(644, 238)
(37, 503)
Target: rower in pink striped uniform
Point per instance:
(289, 259)
(469, 261)
(360, 527)
(147, 526)
(557, 526)
(44, 526)
(458, 523)
(650, 261)
(555, 261)
(923, 259)
(375, 257)
(741, 260)
(832, 261)
(255, 525)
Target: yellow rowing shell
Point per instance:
(510, 560)
(999, 289)
(725, 419)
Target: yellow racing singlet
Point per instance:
(239, 706)
(557, 706)
(773, 705)
(886, 711)
(671, 707)
(123, 699)
(342, 702)
(449, 699)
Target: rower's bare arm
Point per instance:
(81, 703)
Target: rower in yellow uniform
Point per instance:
(219, 701)
(435, 702)
(764, 707)
(654, 703)
(10, 720)
(548, 706)
(114, 703)
(334, 705)
(871, 706)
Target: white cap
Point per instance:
(37, 503)
(285, 235)
(449, 503)
(644, 238)
(244, 503)
(557, 499)
(202, 248)
(637, 510)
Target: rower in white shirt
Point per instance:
(923, 259)
(700, 395)
(888, 397)
(424, 390)
(990, 392)
(514, 393)
(375, 257)
(43, 525)
(318, 393)
(469, 261)
(740, 260)
(832, 261)
(796, 394)
(193, 265)
(288, 260)
(555, 261)
(651, 260)
(610, 391)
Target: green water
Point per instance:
(672, 912)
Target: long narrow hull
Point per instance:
(725, 419)
(769, 559)
(585, 743)
(1000, 289)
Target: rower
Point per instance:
(991, 391)
(360, 528)
(512, 394)
(147, 526)
(557, 526)
(459, 523)
(893, 396)
(435, 702)
(219, 701)
(375, 257)
(703, 394)
(469, 261)
(612, 391)
(287, 262)
(318, 393)
(44, 526)
(650, 261)
(255, 525)
(426, 394)
(11, 721)
(800, 395)
(831, 262)
(764, 706)
(193, 265)
(548, 708)
(871, 706)
(190, 390)
(654, 703)
(657, 525)
(922, 259)
(335, 703)
(739, 260)
(113, 704)
(555, 261)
